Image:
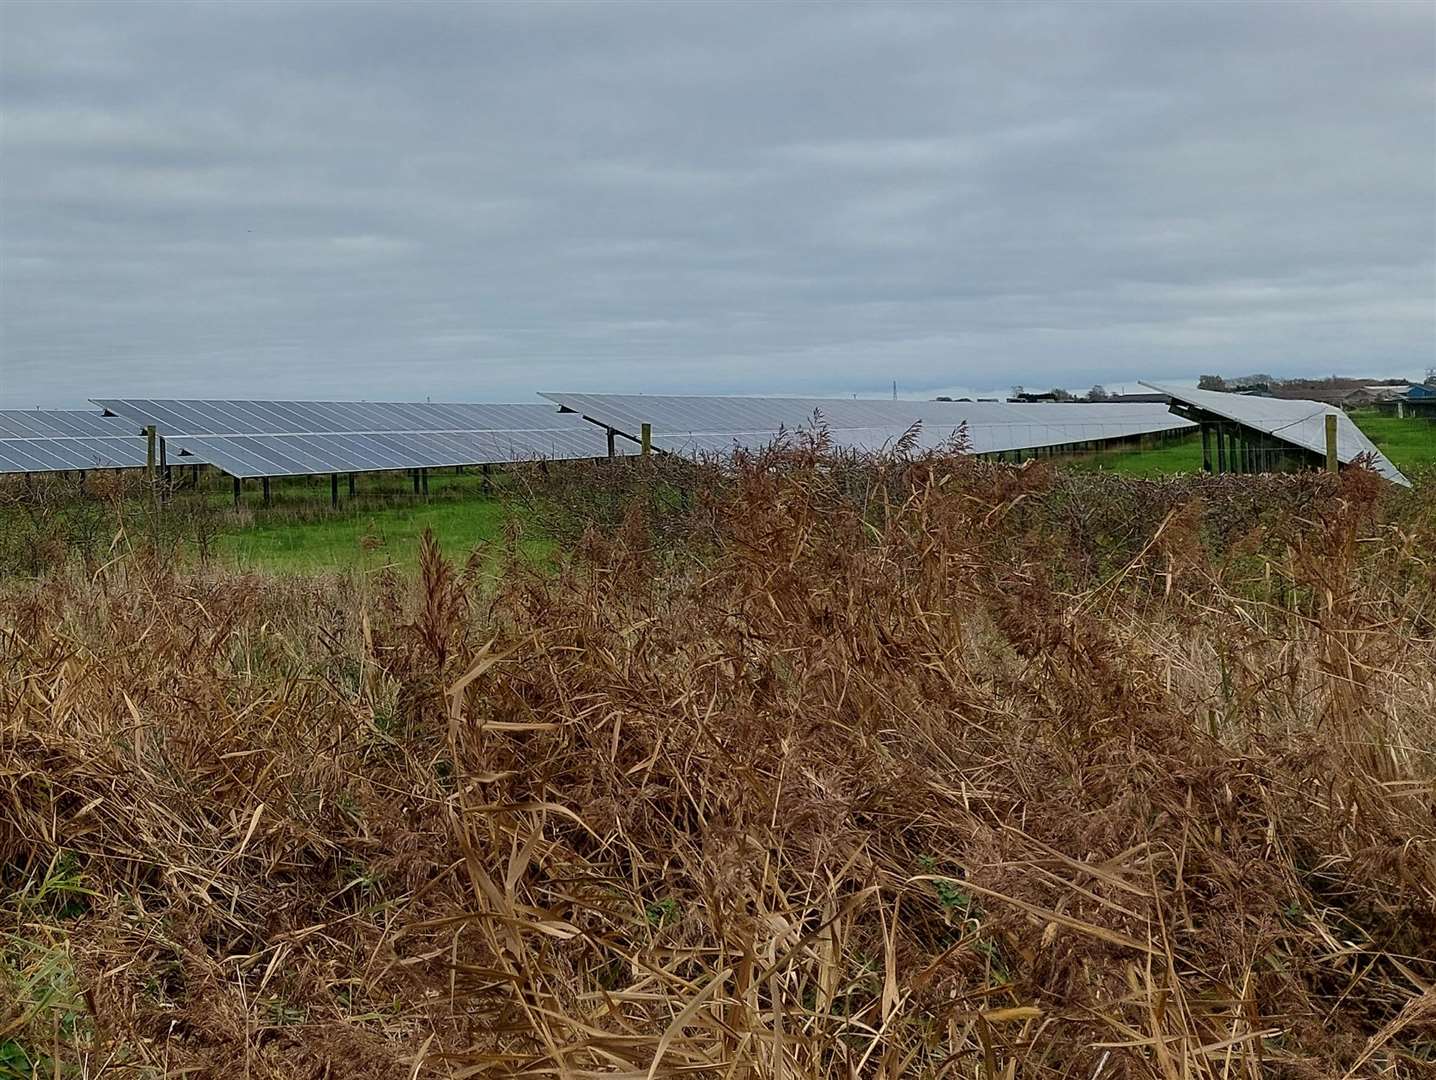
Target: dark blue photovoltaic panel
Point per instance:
(36, 441)
(301, 438)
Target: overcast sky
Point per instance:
(474, 202)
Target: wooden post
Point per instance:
(1332, 465)
(267, 500)
(334, 489)
(150, 459)
(612, 450)
(646, 438)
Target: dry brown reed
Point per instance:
(920, 768)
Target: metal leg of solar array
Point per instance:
(1206, 447)
(267, 500)
(334, 490)
(164, 473)
(238, 492)
(611, 449)
(416, 481)
(488, 484)
(351, 485)
(424, 480)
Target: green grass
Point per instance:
(366, 538)
(1409, 443)
(1176, 456)
(381, 526)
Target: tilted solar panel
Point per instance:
(301, 438)
(172, 417)
(63, 440)
(1300, 423)
(696, 425)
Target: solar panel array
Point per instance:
(702, 425)
(1300, 423)
(302, 438)
(297, 438)
(36, 441)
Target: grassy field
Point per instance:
(382, 526)
(1410, 444)
(364, 537)
(827, 771)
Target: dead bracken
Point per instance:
(812, 766)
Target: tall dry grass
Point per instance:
(901, 768)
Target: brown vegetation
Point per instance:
(815, 768)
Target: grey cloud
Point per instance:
(480, 201)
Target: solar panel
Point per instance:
(697, 425)
(1300, 423)
(302, 438)
(215, 417)
(35, 441)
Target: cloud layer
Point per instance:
(477, 202)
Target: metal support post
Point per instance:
(238, 491)
(612, 450)
(351, 485)
(424, 481)
(334, 489)
(488, 485)
(268, 501)
(1332, 465)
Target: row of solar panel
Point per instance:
(981, 438)
(716, 425)
(279, 438)
(704, 426)
(287, 438)
(76, 454)
(337, 452)
(1300, 423)
(61, 424)
(175, 418)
